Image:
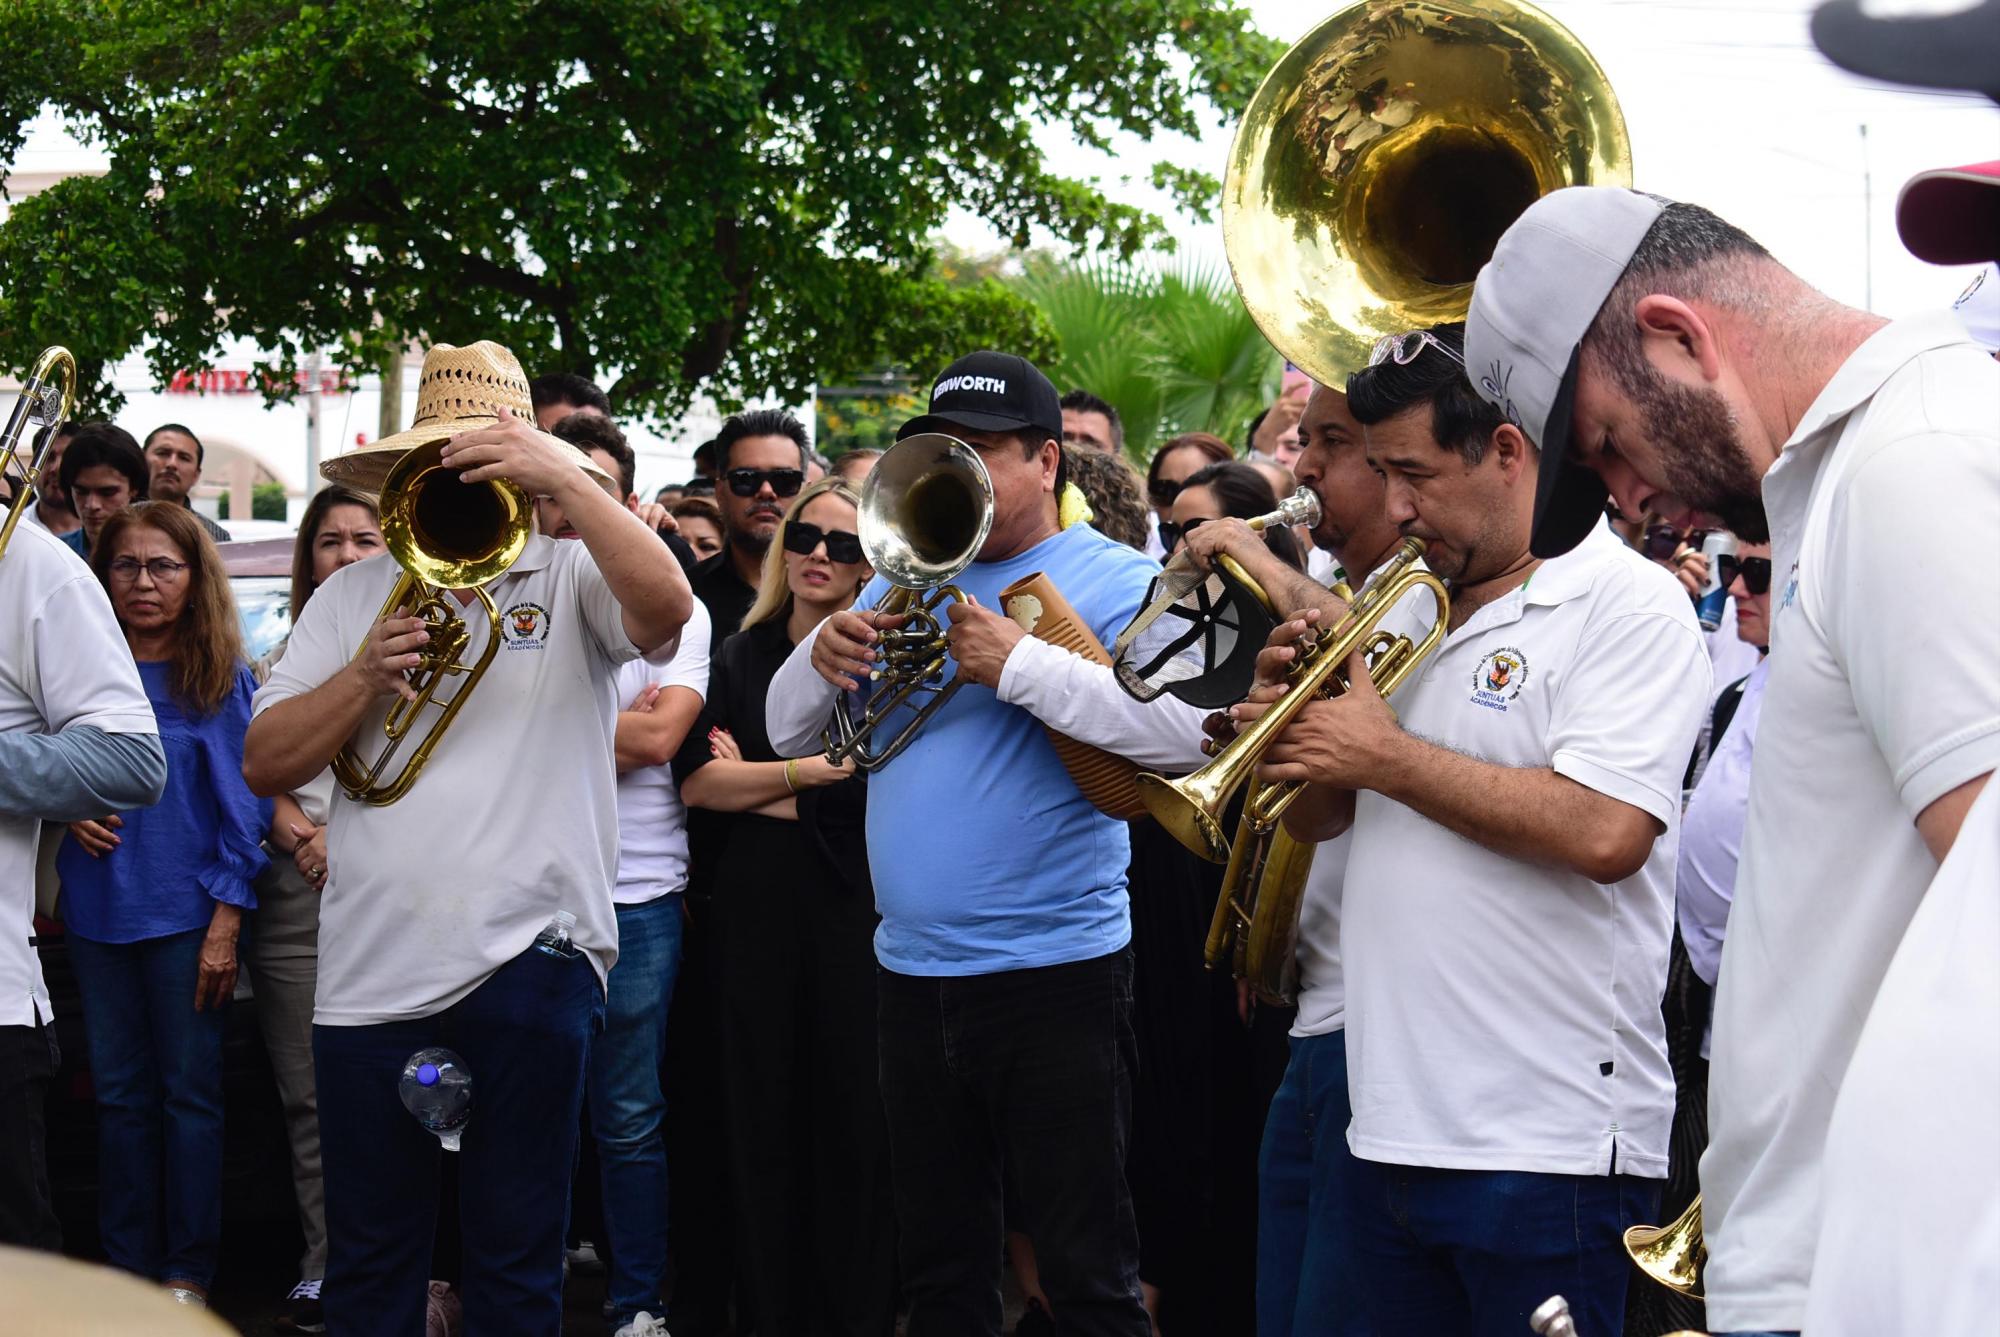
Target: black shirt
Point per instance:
(726, 597)
(829, 840)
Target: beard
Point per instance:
(1702, 455)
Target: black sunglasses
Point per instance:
(1163, 491)
(1173, 531)
(1756, 572)
(784, 482)
(1663, 541)
(841, 546)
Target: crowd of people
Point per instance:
(1666, 878)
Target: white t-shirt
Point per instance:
(1322, 996)
(63, 664)
(1910, 1236)
(652, 824)
(1884, 695)
(1504, 1015)
(513, 818)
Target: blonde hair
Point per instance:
(774, 591)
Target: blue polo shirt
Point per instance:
(985, 855)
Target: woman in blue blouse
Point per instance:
(153, 901)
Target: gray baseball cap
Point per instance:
(1533, 303)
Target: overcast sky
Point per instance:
(1729, 105)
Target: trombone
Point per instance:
(926, 509)
(446, 535)
(46, 398)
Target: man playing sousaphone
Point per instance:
(1006, 988)
(434, 901)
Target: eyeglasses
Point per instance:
(784, 482)
(1173, 531)
(161, 569)
(1402, 349)
(841, 546)
(1662, 542)
(1755, 571)
(1163, 491)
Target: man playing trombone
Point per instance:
(1006, 985)
(1508, 900)
(438, 909)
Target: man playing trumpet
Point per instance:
(1507, 906)
(1005, 994)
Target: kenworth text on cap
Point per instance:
(990, 392)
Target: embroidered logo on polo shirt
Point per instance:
(1499, 678)
(525, 626)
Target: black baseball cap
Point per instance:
(1959, 48)
(990, 392)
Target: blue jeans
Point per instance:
(1302, 1288)
(156, 1064)
(1459, 1253)
(627, 1106)
(525, 1037)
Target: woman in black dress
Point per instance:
(794, 923)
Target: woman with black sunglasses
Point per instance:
(1233, 490)
(794, 916)
(1173, 463)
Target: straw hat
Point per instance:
(461, 389)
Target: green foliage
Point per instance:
(729, 195)
(1172, 349)
(267, 502)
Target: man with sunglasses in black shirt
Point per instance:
(761, 462)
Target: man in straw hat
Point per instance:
(433, 904)
(1651, 349)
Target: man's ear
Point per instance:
(1677, 339)
(1511, 451)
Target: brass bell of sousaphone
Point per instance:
(1383, 156)
(926, 509)
(446, 535)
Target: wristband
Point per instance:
(792, 775)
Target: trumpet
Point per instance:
(46, 398)
(1191, 807)
(446, 535)
(926, 509)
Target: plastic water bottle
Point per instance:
(555, 939)
(437, 1089)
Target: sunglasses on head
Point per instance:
(1173, 531)
(1755, 571)
(784, 482)
(841, 546)
(1402, 349)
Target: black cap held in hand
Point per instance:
(990, 392)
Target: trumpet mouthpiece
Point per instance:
(1301, 508)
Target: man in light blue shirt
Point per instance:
(1006, 988)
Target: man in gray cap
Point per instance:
(1659, 354)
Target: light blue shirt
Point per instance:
(985, 855)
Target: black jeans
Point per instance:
(27, 1060)
(1025, 1074)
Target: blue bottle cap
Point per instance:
(427, 1074)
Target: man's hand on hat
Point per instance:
(980, 641)
(515, 449)
(1216, 537)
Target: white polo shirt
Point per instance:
(1884, 695)
(1910, 1238)
(63, 664)
(1504, 1015)
(652, 823)
(514, 817)
(1322, 993)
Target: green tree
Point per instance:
(267, 502)
(730, 195)
(1173, 348)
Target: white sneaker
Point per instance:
(643, 1324)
